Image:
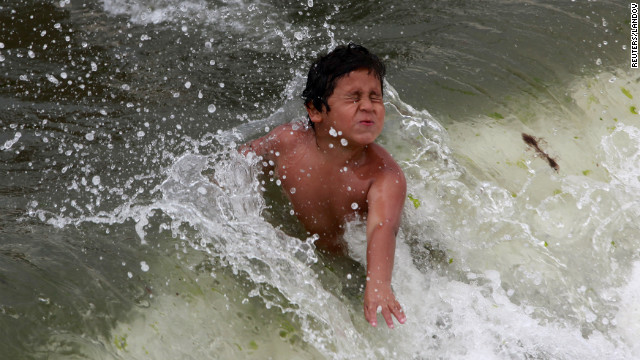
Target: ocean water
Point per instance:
(130, 227)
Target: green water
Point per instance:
(117, 243)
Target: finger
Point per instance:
(370, 315)
(397, 311)
(386, 314)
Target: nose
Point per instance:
(365, 104)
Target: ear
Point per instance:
(314, 114)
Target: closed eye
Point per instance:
(375, 98)
(354, 98)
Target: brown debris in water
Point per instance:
(533, 142)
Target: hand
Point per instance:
(381, 295)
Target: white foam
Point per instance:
(223, 14)
(628, 316)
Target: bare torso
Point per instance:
(324, 194)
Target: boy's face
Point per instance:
(357, 110)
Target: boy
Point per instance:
(332, 171)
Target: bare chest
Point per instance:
(322, 195)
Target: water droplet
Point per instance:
(354, 206)
(31, 54)
(89, 136)
(344, 142)
(63, 75)
(44, 300)
(9, 143)
(187, 84)
(278, 182)
(598, 61)
(291, 212)
(221, 85)
(140, 133)
(95, 180)
(52, 79)
(129, 274)
(293, 190)
(212, 62)
(211, 108)
(1, 45)
(333, 132)
(143, 266)
(94, 66)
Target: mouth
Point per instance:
(367, 122)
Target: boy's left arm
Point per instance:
(385, 202)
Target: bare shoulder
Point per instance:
(387, 169)
(388, 191)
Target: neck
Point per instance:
(340, 154)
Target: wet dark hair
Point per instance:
(325, 72)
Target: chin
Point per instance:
(364, 141)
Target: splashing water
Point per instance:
(482, 268)
(142, 233)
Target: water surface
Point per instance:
(130, 227)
